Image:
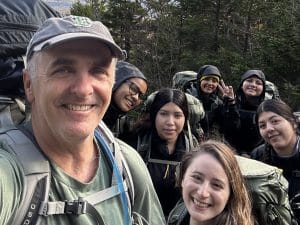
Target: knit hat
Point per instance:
(249, 73)
(207, 71)
(61, 30)
(125, 71)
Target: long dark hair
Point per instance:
(157, 100)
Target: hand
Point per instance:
(227, 91)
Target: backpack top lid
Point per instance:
(19, 20)
(181, 79)
(251, 167)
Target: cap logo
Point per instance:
(80, 21)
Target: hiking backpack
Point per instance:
(271, 91)
(19, 19)
(268, 190)
(196, 113)
(37, 173)
(184, 79)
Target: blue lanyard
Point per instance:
(125, 204)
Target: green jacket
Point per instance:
(63, 187)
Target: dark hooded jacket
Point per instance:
(162, 165)
(245, 136)
(217, 110)
(114, 118)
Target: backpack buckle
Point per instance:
(76, 207)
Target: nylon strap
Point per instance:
(160, 161)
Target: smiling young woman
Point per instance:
(279, 128)
(213, 189)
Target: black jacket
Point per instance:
(245, 136)
(152, 148)
(220, 117)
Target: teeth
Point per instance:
(200, 204)
(79, 107)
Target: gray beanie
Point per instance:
(249, 73)
(125, 71)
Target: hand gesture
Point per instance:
(227, 91)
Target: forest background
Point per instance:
(163, 37)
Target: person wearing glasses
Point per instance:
(128, 91)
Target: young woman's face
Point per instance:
(169, 122)
(129, 94)
(278, 132)
(253, 86)
(205, 188)
(209, 85)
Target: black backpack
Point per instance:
(19, 19)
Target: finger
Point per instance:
(222, 83)
(221, 88)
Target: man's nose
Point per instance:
(82, 84)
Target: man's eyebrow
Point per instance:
(63, 61)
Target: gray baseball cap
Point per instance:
(58, 30)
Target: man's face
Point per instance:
(71, 88)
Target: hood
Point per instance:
(250, 73)
(125, 71)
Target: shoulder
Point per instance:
(146, 202)
(258, 152)
(133, 159)
(11, 185)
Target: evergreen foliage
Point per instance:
(167, 36)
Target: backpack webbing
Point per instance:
(37, 182)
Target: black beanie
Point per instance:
(125, 71)
(208, 70)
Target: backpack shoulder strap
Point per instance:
(36, 175)
(119, 186)
(116, 146)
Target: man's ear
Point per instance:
(28, 85)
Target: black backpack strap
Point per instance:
(36, 179)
